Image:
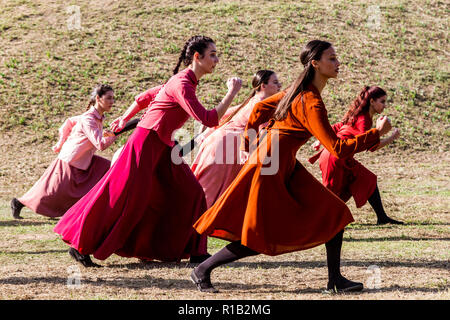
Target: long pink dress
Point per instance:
(76, 169)
(219, 158)
(146, 204)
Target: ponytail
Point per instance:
(99, 90)
(362, 103)
(194, 44)
(181, 58)
(260, 77)
(312, 51)
(246, 101)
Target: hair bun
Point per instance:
(304, 57)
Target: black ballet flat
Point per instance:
(199, 259)
(85, 260)
(345, 286)
(16, 206)
(388, 220)
(203, 285)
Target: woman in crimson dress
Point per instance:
(147, 202)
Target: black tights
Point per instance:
(231, 252)
(235, 251)
(377, 205)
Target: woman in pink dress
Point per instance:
(147, 202)
(76, 169)
(347, 177)
(219, 158)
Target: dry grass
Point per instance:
(47, 71)
(413, 259)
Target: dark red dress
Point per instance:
(146, 203)
(347, 177)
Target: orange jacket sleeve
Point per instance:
(262, 112)
(319, 126)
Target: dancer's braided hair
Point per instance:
(195, 44)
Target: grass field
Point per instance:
(47, 70)
(412, 260)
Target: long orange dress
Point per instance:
(287, 209)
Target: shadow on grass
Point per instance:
(152, 265)
(33, 252)
(403, 290)
(290, 264)
(405, 238)
(130, 283)
(365, 291)
(396, 226)
(419, 223)
(185, 284)
(322, 264)
(13, 223)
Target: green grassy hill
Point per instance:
(47, 68)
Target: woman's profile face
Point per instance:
(272, 86)
(378, 105)
(209, 60)
(328, 65)
(106, 101)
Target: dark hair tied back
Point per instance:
(362, 103)
(99, 90)
(260, 77)
(195, 44)
(312, 51)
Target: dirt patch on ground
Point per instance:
(394, 262)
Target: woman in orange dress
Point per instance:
(348, 177)
(275, 205)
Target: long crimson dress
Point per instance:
(146, 203)
(285, 209)
(347, 177)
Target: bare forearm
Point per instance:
(131, 111)
(385, 142)
(225, 103)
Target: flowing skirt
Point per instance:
(218, 162)
(347, 178)
(278, 210)
(62, 185)
(144, 207)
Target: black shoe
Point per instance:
(16, 206)
(203, 285)
(344, 285)
(85, 260)
(199, 259)
(388, 220)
